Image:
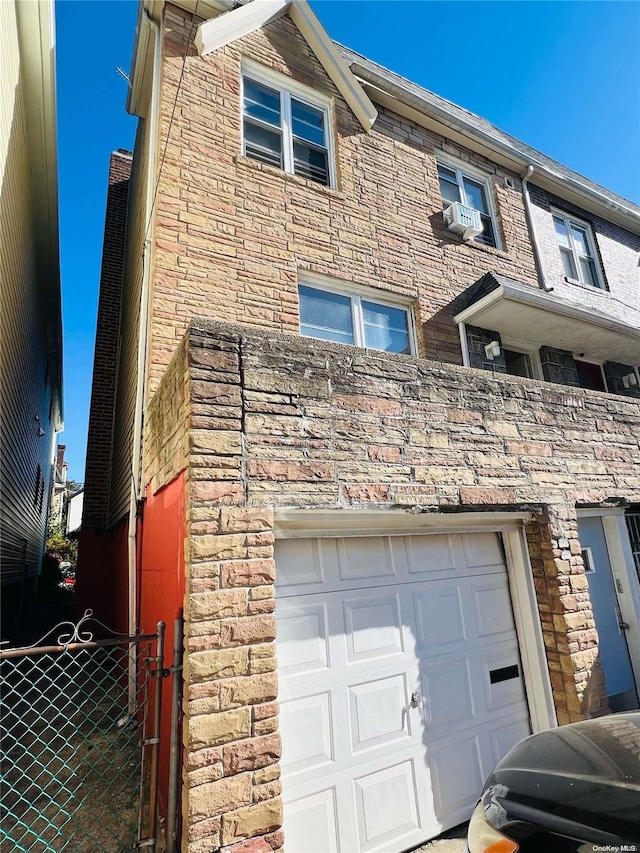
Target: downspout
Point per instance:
(143, 335)
(532, 230)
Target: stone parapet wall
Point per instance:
(277, 421)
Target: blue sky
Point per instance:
(563, 77)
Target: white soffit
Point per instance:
(225, 29)
(541, 320)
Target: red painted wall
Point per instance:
(161, 588)
(102, 576)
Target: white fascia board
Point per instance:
(336, 67)
(475, 308)
(225, 29)
(299, 523)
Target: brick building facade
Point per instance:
(433, 514)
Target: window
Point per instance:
(517, 363)
(285, 130)
(587, 559)
(590, 375)
(348, 318)
(575, 242)
(455, 185)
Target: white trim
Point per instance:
(300, 524)
(526, 616)
(591, 511)
(569, 219)
(464, 344)
(625, 582)
(357, 293)
(465, 169)
(287, 87)
(532, 351)
(227, 28)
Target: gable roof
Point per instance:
(226, 28)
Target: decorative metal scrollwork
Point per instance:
(66, 633)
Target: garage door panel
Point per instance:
(372, 626)
(378, 712)
(457, 776)
(312, 823)
(447, 694)
(439, 616)
(299, 563)
(491, 606)
(436, 555)
(387, 805)
(366, 557)
(303, 637)
(502, 679)
(504, 736)
(308, 722)
(483, 550)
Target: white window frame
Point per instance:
(532, 351)
(357, 293)
(464, 170)
(591, 243)
(289, 88)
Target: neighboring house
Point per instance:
(31, 331)
(418, 443)
(59, 492)
(74, 512)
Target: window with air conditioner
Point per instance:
(456, 185)
(362, 318)
(577, 250)
(286, 125)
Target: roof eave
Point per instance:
(386, 93)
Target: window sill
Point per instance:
(250, 164)
(590, 287)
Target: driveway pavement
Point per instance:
(451, 841)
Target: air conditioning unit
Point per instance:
(463, 220)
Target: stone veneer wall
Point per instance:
(234, 235)
(273, 421)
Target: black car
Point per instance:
(574, 789)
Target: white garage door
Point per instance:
(400, 685)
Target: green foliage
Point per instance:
(59, 546)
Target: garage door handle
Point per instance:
(415, 700)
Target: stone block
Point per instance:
(210, 730)
(219, 797)
(250, 821)
(248, 690)
(243, 631)
(217, 663)
(251, 754)
(217, 605)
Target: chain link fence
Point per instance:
(77, 732)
